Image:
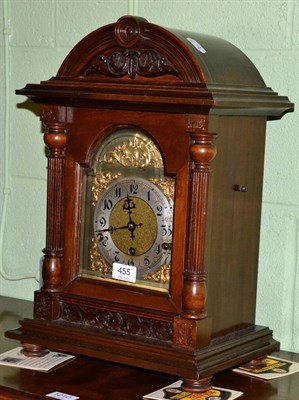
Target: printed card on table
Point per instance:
(175, 392)
(274, 368)
(15, 358)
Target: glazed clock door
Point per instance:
(126, 233)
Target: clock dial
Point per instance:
(133, 225)
(128, 210)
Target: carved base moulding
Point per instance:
(150, 353)
(171, 345)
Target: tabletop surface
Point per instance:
(91, 379)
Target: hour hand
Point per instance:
(128, 204)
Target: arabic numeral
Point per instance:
(166, 230)
(102, 222)
(104, 241)
(134, 188)
(107, 205)
(159, 210)
(131, 262)
(116, 256)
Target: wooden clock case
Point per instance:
(195, 95)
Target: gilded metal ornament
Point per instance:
(101, 181)
(166, 185)
(160, 276)
(135, 152)
(97, 263)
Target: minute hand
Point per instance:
(131, 226)
(111, 229)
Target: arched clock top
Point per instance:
(133, 64)
(131, 49)
(135, 49)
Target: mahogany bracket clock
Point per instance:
(155, 163)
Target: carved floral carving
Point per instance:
(146, 63)
(49, 113)
(45, 306)
(116, 322)
(196, 123)
(184, 333)
(42, 306)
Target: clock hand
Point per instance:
(128, 206)
(131, 226)
(111, 229)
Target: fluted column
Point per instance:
(192, 329)
(55, 140)
(202, 152)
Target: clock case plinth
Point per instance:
(206, 106)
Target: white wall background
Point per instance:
(36, 35)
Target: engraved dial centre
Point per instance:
(141, 227)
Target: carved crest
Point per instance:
(146, 63)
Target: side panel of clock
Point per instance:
(234, 222)
(86, 131)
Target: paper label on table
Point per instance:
(123, 272)
(62, 396)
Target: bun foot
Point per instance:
(32, 350)
(257, 362)
(197, 385)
